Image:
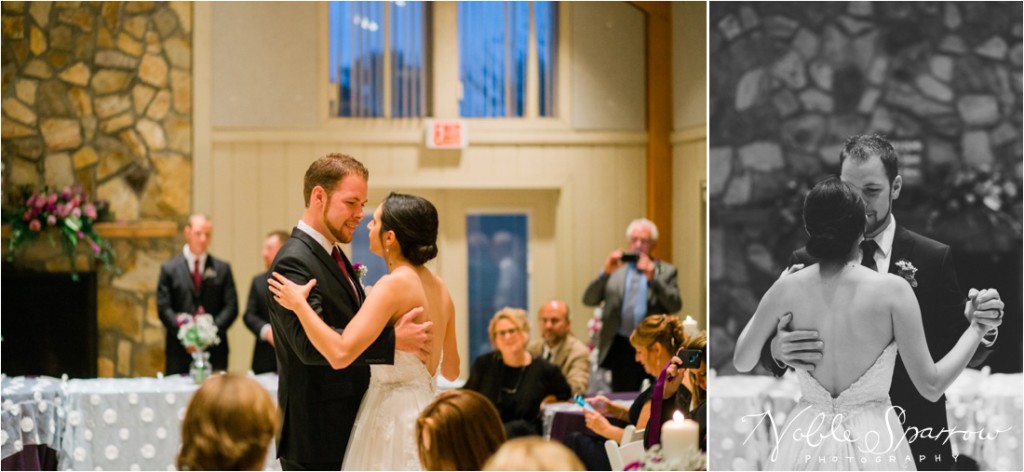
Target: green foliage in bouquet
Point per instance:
(69, 214)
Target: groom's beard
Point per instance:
(336, 231)
(879, 223)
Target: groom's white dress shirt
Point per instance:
(320, 238)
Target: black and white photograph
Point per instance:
(865, 236)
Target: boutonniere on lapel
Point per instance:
(360, 271)
(907, 270)
(209, 273)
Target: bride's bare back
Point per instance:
(850, 310)
(417, 286)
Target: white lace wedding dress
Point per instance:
(383, 437)
(858, 430)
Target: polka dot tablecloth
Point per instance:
(129, 424)
(32, 413)
(975, 402)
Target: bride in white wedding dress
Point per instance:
(845, 420)
(404, 233)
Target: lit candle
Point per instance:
(690, 326)
(678, 436)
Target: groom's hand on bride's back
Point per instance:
(798, 349)
(414, 337)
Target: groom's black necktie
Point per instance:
(868, 247)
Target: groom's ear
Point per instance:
(317, 195)
(897, 185)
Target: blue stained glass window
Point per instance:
(493, 54)
(497, 245)
(357, 58)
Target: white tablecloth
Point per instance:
(32, 413)
(130, 424)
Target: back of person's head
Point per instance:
(229, 424)
(517, 316)
(459, 430)
(533, 453)
(834, 219)
(664, 330)
(414, 221)
(328, 170)
(863, 147)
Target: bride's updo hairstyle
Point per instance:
(834, 219)
(414, 221)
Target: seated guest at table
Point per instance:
(517, 383)
(191, 283)
(690, 399)
(257, 314)
(560, 347)
(656, 340)
(459, 430)
(533, 453)
(229, 424)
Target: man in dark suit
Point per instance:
(871, 164)
(257, 315)
(631, 289)
(192, 283)
(319, 404)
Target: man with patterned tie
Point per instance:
(871, 164)
(319, 404)
(192, 283)
(632, 286)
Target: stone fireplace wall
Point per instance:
(99, 94)
(790, 81)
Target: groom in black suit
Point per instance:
(871, 164)
(319, 404)
(195, 282)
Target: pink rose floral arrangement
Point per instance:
(69, 213)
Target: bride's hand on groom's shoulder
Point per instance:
(984, 307)
(287, 293)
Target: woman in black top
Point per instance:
(512, 379)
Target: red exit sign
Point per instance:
(446, 134)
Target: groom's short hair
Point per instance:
(863, 147)
(328, 170)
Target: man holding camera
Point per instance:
(632, 285)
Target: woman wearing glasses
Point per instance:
(512, 379)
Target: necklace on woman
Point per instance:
(519, 380)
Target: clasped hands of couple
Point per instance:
(410, 336)
(800, 349)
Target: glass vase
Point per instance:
(201, 368)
